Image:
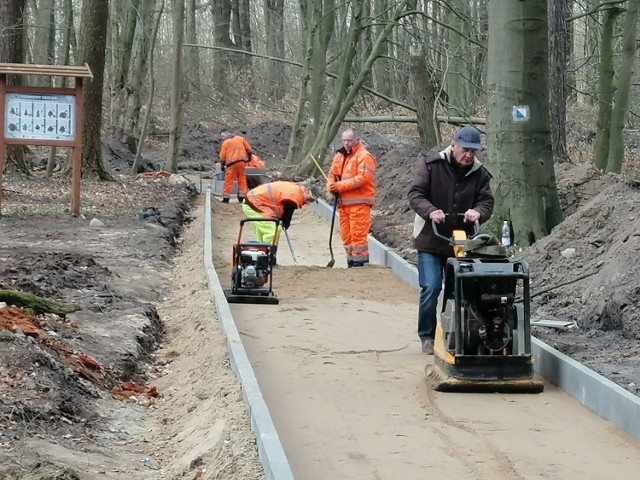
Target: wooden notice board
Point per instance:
(43, 116)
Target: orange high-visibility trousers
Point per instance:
(231, 173)
(355, 224)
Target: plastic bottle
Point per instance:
(506, 234)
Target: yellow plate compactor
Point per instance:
(483, 338)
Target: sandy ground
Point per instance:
(341, 369)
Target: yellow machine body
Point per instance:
(483, 338)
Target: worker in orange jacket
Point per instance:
(255, 162)
(350, 179)
(274, 200)
(235, 153)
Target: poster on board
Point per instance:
(33, 116)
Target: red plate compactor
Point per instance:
(252, 269)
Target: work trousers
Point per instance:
(231, 173)
(265, 231)
(430, 268)
(355, 224)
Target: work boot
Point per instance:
(349, 263)
(225, 200)
(357, 264)
(427, 346)
(240, 199)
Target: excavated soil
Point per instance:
(63, 378)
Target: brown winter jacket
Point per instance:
(437, 185)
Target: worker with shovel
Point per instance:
(350, 179)
(275, 200)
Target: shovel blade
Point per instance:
(331, 263)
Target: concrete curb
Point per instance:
(270, 450)
(600, 395)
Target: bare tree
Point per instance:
(274, 29)
(147, 114)
(621, 101)
(606, 89)
(11, 50)
(559, 55)
(175, 131)
(518, 136)
(93, 40)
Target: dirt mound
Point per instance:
(593, 252)
(57, 385)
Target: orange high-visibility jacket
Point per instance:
(256, 161)
(233, 150)
(353, 175)
(269, 198)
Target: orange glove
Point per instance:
(333, 187)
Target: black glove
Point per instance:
(248, 157)
(223, 167)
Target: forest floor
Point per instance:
(65, 412)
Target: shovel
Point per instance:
(286, 234)
(332, 262)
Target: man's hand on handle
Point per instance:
(437, 216)
(471, 215)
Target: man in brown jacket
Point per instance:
(455, 182)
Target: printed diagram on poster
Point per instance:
(39, 117)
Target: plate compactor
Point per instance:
(483, 338)
(252, 269)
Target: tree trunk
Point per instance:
(44, 38)
(65, 52)
(381, 72)
(346, 90)
(274, 24)
(325, 17)
(458, 68)
(559, 54)
(321, 140)
(131, 96)
(11, 50)
(320, 28)
(518, 136)
(147, 114)
(606, 89)
(621, 102)
(192, 58)
(221, 10)
(366, 41)
(93, 40)
(425, 101)
(175, 132)
(124, 18)
(65, 59)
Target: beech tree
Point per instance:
(518, 127)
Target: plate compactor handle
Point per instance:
(452, 240)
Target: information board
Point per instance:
(39, 117)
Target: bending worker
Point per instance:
(451, 181)
(235, 153)
(274, 200)
(255, 162)
(351, 181)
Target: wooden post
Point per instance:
(76, 172)
(3, 83)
